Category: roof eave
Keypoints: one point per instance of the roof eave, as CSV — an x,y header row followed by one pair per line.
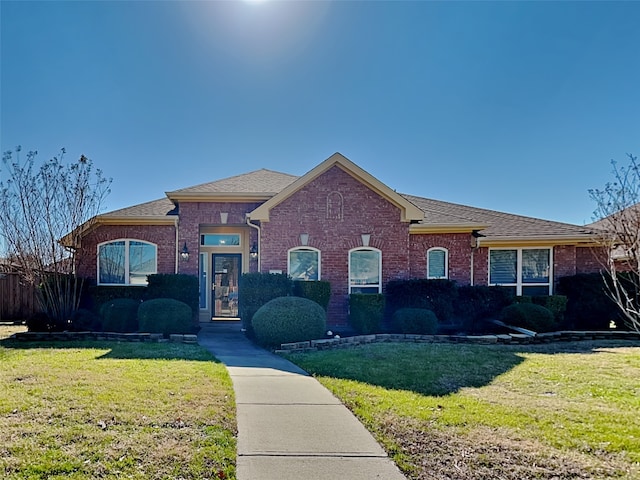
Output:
x,y
228,197
538,240
418,228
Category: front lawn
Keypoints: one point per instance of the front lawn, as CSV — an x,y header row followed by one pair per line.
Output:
x,y
442,411
114,410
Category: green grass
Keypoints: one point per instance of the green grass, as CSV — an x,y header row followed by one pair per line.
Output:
x,y
114,410
561,411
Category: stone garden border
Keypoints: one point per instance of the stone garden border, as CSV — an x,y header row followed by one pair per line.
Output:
x,y
502,339
102,336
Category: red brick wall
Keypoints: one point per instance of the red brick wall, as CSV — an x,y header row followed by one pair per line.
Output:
x,y
564,261
193,214
164,236
458,246
334,229
481,266
590,259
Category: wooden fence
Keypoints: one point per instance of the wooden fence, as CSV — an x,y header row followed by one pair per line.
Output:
x,y
17,301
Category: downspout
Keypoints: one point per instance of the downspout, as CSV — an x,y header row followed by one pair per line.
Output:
x,y
177,246
248,217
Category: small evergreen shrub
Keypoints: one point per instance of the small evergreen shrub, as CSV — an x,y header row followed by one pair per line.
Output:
x,y
289,319
318,291
588,306
40,322
439,296
165,315
84,320
478,303
530,316
177,286
415,320
256,289
365,312
98,295
120,315
556,303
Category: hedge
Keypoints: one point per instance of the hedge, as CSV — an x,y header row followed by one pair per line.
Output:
x,y
318,291
366,311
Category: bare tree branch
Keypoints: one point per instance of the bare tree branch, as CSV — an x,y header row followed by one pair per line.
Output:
x,y
40,205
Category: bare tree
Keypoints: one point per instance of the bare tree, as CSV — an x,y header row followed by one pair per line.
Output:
x,y
41,208
618,220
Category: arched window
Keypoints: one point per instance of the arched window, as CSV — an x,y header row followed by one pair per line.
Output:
x,y
304,263
437,263
126,262
365,270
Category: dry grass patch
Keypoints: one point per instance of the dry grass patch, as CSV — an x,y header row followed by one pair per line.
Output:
x,y
561,411
114,410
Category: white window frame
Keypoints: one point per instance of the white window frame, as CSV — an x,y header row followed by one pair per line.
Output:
x,y
519,284
304,249
446,262
127,273
355,286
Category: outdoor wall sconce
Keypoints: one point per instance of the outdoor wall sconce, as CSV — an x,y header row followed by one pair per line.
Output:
x,y
224,217
184,253
365,237
304,239
253,251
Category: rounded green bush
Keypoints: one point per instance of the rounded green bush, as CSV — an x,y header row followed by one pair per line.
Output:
x,y
120,315
415,320
289,319
85,320
530,316
165,315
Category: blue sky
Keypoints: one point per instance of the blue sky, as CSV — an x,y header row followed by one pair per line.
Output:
x,y
512,106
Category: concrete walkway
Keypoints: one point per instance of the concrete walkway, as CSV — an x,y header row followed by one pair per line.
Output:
x,y
290,426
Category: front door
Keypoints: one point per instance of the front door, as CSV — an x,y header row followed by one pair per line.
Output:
x,y
224,288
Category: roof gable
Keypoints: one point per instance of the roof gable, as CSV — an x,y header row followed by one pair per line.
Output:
x,y
409,212
257,185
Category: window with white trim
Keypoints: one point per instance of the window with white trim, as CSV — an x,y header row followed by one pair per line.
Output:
x,y
437,263
126,262
304,263
365,270
526,270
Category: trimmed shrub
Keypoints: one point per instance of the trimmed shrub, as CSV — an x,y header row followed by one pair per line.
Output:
x,y
476,304
588,306
120,315
530,316
181,287
415,320
365,312
289,319
318,291
40,322
439,296
256,289
165,315
84,320
556,303
98,295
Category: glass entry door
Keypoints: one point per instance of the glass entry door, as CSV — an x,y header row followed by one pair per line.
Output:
x,y
224,288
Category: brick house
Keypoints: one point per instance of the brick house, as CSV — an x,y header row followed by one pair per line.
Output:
x,y
337,223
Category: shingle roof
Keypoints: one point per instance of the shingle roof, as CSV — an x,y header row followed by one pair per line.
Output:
x,y
258,181
155,208
499,225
